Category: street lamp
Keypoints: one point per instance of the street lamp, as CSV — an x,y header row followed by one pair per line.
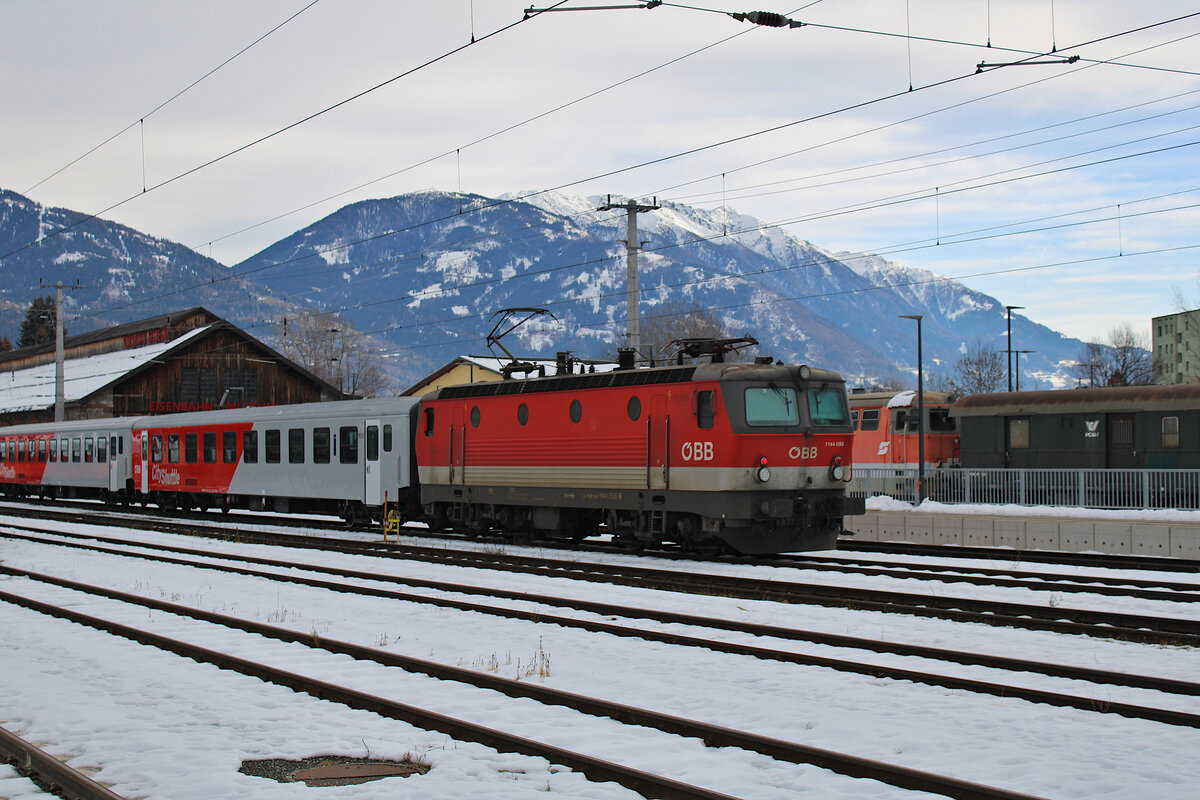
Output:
x,y
920,412
1008,313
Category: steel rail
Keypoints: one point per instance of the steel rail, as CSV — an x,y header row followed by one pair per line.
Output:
x,y
607,609
1132,627
1113,560
875,671
53,775
647,784
624,713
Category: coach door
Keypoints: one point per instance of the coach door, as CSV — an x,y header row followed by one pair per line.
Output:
x,y
1122,452
114,475
658,432
374,472
144,458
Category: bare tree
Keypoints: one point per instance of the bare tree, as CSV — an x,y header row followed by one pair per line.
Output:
x,y
326,345
675,320
1122,360
979,370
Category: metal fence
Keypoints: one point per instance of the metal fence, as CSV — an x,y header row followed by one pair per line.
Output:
x,y
1079,488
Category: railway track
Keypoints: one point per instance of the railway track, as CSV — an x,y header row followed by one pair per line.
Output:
x,y
647,784
49,773
610,611
1131,627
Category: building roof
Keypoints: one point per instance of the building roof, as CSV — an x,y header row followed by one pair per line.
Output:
x,y
1097,400
33,389
114,332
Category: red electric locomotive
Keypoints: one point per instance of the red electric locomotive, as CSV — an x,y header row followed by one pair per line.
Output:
x,y
753,457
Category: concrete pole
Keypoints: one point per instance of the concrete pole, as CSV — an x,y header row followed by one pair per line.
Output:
x,y
58,352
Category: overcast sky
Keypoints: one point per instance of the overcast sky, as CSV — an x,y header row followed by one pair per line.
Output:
x,y
1078,185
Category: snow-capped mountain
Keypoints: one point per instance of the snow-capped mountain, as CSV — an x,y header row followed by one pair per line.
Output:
x,y
424,273
427,270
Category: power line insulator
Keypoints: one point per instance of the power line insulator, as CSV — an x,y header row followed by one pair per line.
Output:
x,y
767,19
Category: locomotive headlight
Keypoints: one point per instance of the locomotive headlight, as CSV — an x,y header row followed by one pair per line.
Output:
x,y
763,473
837,471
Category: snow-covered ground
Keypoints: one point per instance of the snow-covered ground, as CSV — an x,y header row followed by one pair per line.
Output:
x,y
882,504
157,725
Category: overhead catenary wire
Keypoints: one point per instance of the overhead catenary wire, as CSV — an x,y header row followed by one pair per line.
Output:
x,y
273,134
141,121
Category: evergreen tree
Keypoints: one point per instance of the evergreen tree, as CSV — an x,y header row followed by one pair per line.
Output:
x,y
38,327
5,344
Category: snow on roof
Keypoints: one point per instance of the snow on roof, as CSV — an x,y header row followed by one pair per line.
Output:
x,y
32,389
902,399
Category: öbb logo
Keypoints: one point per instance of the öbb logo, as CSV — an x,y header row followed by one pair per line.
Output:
x,y
697,451
802,453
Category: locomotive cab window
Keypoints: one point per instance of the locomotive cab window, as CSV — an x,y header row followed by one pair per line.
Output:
x,y
854,418
827,407
704,410
772,406
940,420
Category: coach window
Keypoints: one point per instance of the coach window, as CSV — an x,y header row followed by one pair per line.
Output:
x,y
191,448
21,450
210,447
348,444
89,449
522,414
295,445
113,443
272,443
372,443
576,411
1018,433
634,408
229,447
156,449
704,410
387,438
101,449
64,450
1170,431
474,416
172,448
53,445
870,419
3,450
250,447
320,445
76,449
41,449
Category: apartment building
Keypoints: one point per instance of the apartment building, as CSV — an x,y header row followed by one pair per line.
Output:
x,y
1175,344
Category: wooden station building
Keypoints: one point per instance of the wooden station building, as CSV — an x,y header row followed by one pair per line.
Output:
x,y
187,360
